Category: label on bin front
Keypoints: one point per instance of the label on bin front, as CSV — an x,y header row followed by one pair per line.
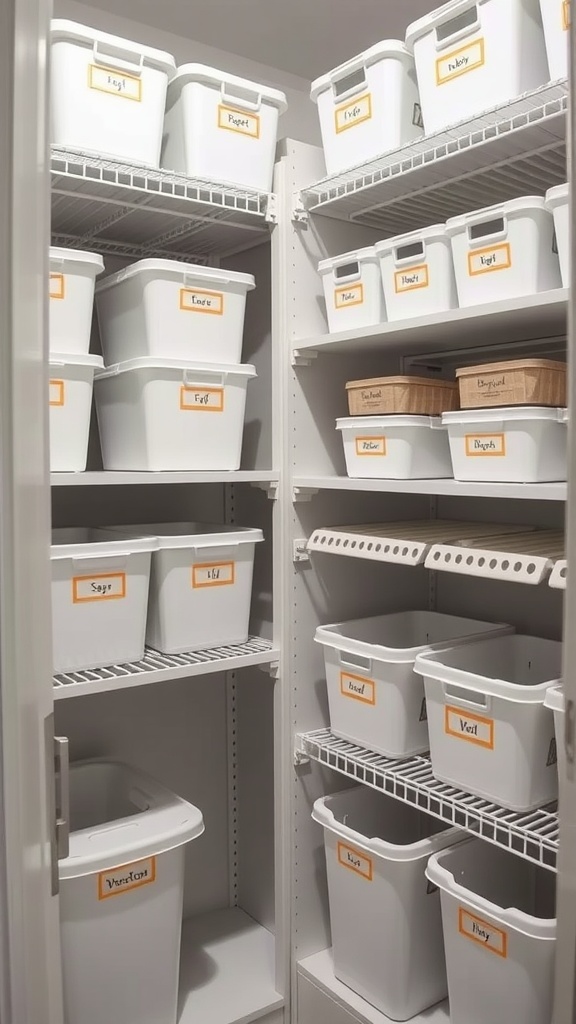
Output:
x,y
485,444
356,861
201,399
371,446
566,15
217,574
101,586
126,877
409,280
357,688
353,113
485,934
463,725
241,121
353,295
56,392
486,261
56,286
460,62
196,300
115,82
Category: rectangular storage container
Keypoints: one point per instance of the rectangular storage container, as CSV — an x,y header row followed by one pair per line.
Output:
x,y
168,414
504,251
395,447
99,596
556,702
472,55
558,204
385,918
417,273
375,697
70,399
401,396
499,934
72,277
556,21
352,290
107,94
515,444
514,382
221,127
121,891
490,733
169,310
368,106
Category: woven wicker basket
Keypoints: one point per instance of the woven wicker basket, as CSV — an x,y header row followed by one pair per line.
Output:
x,y
416,396
519,382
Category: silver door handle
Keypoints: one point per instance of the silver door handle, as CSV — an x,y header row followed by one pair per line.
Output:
x,y
62,787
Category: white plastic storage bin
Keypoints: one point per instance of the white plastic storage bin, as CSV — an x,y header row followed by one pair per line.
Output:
x,y
72,277
70,399
504,251
558,203
556,701
368,105
221,127
490,733
107,94
171,310
168,414
417,273
513,444
395,447
99,597
352,290
499,934
556,21
472,55
121,893
375,697
385,918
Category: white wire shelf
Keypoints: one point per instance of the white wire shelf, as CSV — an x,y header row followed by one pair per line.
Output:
x,y
559,575
101,478
532,835
524,558
511,150
305,487
156,667
120,209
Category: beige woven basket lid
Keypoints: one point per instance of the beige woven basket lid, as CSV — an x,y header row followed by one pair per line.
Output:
x,y
430,381
514,364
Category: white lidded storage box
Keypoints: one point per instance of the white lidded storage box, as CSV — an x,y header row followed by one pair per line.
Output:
x,y
504,251
417,273
556,701
167,309
121,893
472,55
368,106
490,733
99,597
70,398
107,94
558,204
168,414
221,127
72,277
513,444
352,290
375,697
385,918
499,934
395,447
556,21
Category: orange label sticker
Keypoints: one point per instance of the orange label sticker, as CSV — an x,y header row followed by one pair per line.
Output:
x,y
115,82
56,286
353,113
482,445
357,688
195,300
460,62
485,934
355,861
371,446
240,121
486,261
217,574
566,15
409,280
351,296
126,878
56,392
201,399
463,725
102,586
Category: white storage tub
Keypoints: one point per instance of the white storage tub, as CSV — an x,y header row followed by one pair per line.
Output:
x,y
221,127
499,934
513,444
121,893
556,701
472,55
352,290
490,733
70,399
72,277
385,918
395,447
504,251
558,204
368,105
171,310
99,597
375,697
417,273
107,94
556,21
168,414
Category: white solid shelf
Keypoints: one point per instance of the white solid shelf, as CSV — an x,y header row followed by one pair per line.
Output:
x,y
319,969
532,835
227,970
305,487
523,558
156,667
109,478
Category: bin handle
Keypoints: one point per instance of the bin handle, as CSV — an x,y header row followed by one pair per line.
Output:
x,y
476,700
409,257
192,378
354,271
494,228
351,72
193,281
131,63
458,27
230,100
355,661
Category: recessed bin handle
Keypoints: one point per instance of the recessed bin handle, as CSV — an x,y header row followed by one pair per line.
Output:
x,y
357,661
243,102
459,27
348,79
488,230
193,281
193,378
118,59
348,271
409,253
474,699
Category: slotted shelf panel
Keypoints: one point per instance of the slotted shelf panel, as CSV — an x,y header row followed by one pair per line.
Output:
x,y
559,575
524,558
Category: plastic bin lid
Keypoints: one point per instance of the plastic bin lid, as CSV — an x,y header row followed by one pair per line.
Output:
x,y
504,412
437,17
71,31
386,48
173,268
449,385
558,195
222,371
195,535
85,541
161,822
392,420
436,232
75,359
212,76
512,206
357,255
77,256
512,364
555,699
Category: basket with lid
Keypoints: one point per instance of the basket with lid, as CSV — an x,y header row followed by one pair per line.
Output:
x,y
412,396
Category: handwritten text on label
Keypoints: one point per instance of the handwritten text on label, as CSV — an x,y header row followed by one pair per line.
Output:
x,y
463,725
409,280
57,286
487,261
103,586
218,574
460,62
201,399
485,934
371,446
56,392
485,445
126,877
195,300
239,121
357,688
356,861
351,296
110,80
351,114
